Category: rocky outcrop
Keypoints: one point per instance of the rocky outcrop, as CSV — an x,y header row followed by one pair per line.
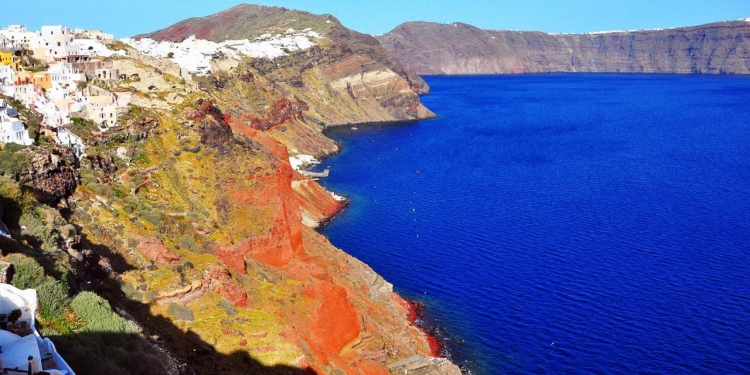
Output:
x,y
155,250
282,111
52,174
334,321
431,48
214,131
317,205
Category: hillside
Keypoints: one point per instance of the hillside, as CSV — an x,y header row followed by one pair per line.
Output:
x,y
188,218
431,48
249,21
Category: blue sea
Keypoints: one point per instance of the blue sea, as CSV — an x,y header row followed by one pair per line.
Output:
x,y
564,224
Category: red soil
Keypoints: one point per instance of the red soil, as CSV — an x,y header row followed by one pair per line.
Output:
x,y
284,241
334,322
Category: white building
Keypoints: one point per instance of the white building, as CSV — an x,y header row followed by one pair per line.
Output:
x,y
65,138
6,43
195,55
63,73
11,128
26,93
7,75
29,354
19,36
94,47
59,42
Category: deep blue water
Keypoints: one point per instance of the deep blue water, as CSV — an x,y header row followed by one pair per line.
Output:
x,y
565,224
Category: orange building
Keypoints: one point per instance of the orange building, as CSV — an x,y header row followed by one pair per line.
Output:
x,y
38,79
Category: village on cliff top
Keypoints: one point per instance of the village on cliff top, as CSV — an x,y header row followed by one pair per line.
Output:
x,y
72,75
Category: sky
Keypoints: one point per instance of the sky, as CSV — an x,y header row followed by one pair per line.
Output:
x,y
129,17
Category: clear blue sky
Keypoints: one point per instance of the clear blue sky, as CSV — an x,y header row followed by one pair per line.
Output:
x,y
129,17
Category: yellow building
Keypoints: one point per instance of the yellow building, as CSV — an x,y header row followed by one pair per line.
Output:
x,y
6,58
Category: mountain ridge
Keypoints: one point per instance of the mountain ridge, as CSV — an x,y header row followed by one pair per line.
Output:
x,y
459,48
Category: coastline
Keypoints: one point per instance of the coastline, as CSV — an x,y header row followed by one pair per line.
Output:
x,y
416,310
432,116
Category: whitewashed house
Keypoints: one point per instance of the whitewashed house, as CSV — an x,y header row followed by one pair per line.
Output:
x,y
6,43
53,116
26,93
19,36
57,92
63,73
11,128
7,75
30,354
94,47
65,138
59,42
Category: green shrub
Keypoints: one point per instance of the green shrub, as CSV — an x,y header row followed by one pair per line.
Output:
x,y
28,274
99,316
188,242
151,216
179,312
53,298
12,160
39,233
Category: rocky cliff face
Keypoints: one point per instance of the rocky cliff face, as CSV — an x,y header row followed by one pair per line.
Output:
x,y
210,226
430,48
346,79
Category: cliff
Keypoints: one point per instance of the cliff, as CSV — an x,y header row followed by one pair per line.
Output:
x,y
347,78
189,219
431,48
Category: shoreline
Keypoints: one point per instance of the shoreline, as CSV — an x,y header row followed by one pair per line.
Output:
x,y
416,316
416,309
384,122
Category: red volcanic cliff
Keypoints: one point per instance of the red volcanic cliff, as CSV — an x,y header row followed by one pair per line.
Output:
x,y
284,241
336,309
